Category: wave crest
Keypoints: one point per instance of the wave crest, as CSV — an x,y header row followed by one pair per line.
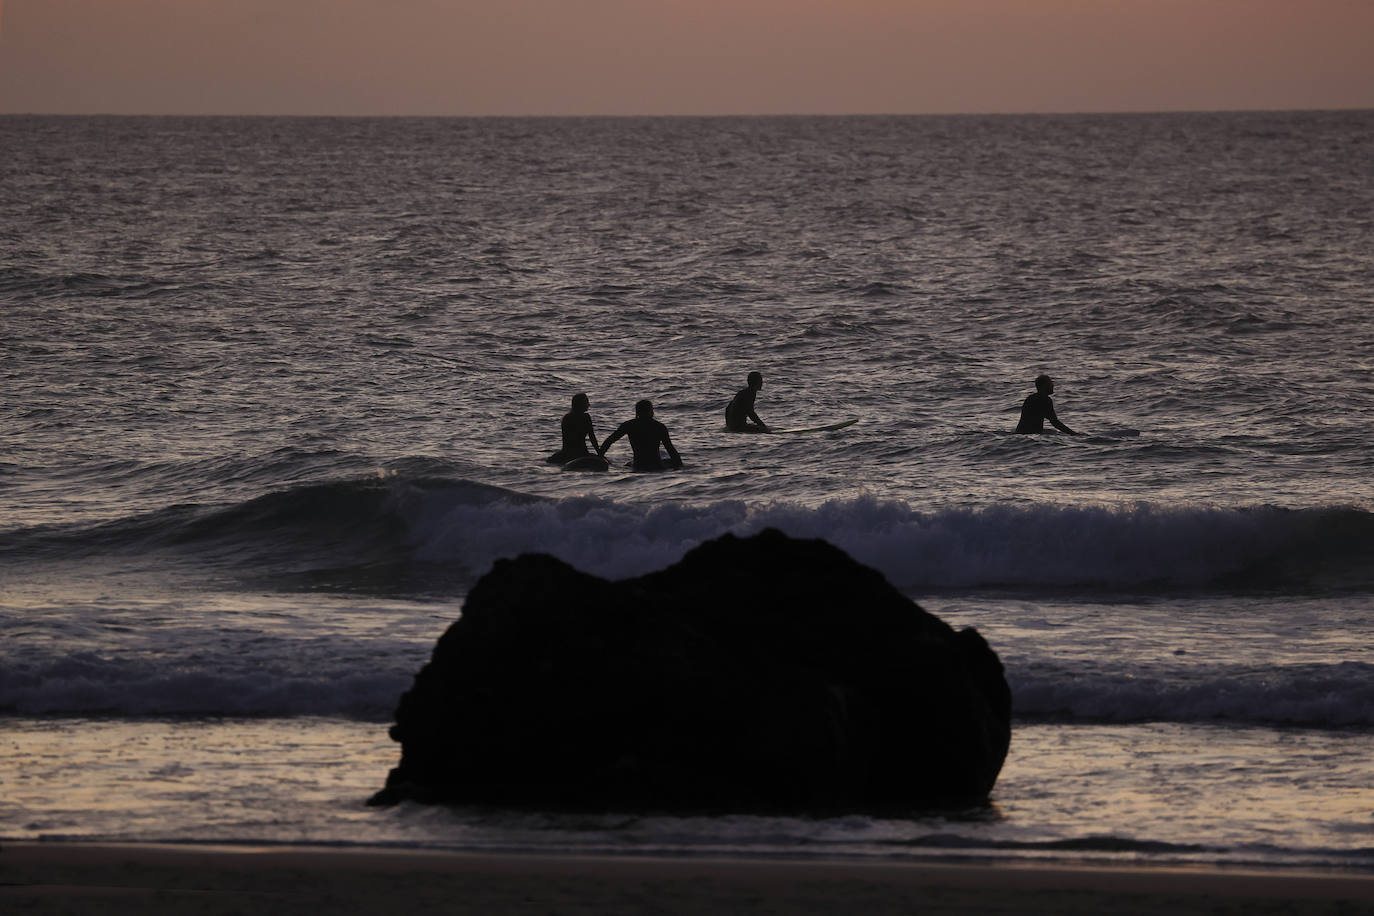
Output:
x,y
1140,546
444,527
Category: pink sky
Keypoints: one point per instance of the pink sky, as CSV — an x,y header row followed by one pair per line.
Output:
x,y
563,57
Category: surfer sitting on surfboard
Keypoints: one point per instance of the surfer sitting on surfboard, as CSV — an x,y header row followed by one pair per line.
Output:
x,y
645,435
739,415
1038,408
577,429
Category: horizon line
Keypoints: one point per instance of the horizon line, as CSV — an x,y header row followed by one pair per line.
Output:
x,y
698,116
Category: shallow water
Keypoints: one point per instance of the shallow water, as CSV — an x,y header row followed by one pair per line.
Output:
x,y
1190,793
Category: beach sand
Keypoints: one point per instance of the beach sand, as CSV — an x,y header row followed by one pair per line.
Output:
x,y
117,879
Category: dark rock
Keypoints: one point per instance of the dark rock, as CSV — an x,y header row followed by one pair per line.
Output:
x,y
756,674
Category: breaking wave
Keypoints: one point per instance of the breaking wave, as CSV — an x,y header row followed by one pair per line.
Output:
x,y
447,530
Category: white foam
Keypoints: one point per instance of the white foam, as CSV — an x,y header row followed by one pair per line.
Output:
x,y
1034,545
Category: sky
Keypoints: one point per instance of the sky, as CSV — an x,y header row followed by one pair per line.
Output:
x,y
703,57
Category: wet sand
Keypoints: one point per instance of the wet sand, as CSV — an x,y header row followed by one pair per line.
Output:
x,y
118,879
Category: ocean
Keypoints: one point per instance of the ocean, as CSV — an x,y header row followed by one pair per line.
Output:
x,y
277,391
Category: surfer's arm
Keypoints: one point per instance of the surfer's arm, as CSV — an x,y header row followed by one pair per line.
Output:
x,y
672,452
602,449
755,417
1055,422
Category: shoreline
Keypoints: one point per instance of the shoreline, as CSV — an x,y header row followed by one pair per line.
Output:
x,y
64,877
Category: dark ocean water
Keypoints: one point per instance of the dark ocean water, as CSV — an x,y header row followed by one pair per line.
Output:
x,y
278,390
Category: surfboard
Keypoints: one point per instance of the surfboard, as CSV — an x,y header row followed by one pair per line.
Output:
x,y
630,466
829,427
587,463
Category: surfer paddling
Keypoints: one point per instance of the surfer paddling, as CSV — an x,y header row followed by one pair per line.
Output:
x,y
645,434
1038,408
739,415
577,431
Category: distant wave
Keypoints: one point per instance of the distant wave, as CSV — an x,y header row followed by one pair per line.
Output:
x,y
442,528
246,683
363,681
1338,695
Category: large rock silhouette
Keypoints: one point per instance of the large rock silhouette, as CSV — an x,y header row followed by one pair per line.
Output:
x,y
757,674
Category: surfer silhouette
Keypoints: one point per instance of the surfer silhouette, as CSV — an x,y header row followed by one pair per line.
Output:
x,y
577,430
645,435
739,415
1038,408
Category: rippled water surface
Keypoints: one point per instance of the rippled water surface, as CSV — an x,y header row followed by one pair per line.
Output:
x,y
278,390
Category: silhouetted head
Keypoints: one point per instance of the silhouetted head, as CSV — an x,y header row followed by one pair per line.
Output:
x,y
755,380
1044,384
644,409
581,402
